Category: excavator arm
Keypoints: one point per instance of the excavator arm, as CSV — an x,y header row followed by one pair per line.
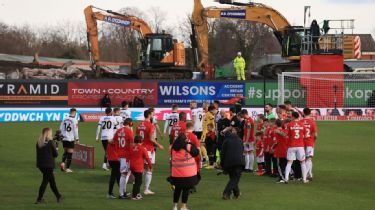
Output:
x,y
110,17
251,12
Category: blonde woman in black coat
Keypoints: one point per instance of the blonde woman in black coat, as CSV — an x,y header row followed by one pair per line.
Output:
x,y
46,153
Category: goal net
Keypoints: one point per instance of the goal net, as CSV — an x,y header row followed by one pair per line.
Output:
x,y
343,90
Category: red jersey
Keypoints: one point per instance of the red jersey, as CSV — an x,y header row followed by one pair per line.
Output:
x,y
248,130
265,140
138,154
124,138
296,134
271,139
281,147
112,151
146,129
259,149
177,128
195,141
310,130
260,127
211,136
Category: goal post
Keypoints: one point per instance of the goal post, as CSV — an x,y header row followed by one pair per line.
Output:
x,y
343,90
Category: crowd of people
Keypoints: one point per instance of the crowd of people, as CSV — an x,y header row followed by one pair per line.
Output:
x,y
280,144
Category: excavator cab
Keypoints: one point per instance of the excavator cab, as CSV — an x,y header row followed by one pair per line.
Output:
x,y
291,42
157,50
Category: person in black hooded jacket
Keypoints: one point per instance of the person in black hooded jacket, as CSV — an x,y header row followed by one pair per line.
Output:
x,y
46,153
232,161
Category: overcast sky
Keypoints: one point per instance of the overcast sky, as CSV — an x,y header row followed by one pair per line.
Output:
x,y
46,12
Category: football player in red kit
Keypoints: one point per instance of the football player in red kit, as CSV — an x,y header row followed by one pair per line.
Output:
x,y
311,134
248,141
146,130
259,152
179,127
280,149
296,133
124,139
138,155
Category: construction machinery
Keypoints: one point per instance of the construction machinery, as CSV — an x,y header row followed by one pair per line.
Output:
x,y
161,56
291,38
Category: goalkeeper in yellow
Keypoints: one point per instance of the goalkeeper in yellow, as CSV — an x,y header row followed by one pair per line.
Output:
x,y
208,119
239,65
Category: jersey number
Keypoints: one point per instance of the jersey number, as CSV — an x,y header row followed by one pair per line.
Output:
x,y
200,117
106,125
307,132
296,134
67,127
172,122
122,141
142,134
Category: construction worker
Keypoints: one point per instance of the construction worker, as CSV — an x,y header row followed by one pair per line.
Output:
x,y
239,65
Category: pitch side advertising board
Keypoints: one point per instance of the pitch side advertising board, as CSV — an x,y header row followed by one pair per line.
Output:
x,y
91,93
182,93
33,93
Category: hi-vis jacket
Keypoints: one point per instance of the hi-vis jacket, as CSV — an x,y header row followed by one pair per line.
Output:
x,y
239,62
183,164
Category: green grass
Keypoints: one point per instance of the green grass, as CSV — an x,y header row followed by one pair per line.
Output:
x,y
343,168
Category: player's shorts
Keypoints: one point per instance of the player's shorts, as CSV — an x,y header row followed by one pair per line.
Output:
x,y
68,144
151,155
260,159
124,165
309,151
198,134
248,147
296,153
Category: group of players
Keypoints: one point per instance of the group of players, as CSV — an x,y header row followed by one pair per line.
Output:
x,y
279,143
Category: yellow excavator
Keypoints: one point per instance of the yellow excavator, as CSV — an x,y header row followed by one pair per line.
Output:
x,y
290,37
161,56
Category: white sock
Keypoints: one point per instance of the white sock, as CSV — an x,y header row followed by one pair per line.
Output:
x,y
251,161
287,170
122,184
304,171
247,160
309,167
148,178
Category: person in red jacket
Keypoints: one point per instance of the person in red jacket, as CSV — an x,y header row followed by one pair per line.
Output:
x,y
124,139
138,154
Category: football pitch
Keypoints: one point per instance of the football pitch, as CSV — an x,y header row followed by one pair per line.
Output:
x,y
344,176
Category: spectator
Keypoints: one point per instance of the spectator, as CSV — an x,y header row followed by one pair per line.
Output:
x,y
315,113
106,101
333,112
315,33
138,102
370,112
371,100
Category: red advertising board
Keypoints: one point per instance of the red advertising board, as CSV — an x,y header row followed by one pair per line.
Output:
x,y
83,156
91,93
92,116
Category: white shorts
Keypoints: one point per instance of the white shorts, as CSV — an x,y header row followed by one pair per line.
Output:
x,y
248,147
296,153
309,151
151,155
260,159
124,165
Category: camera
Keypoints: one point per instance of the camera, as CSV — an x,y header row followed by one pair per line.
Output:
x,y
58,137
